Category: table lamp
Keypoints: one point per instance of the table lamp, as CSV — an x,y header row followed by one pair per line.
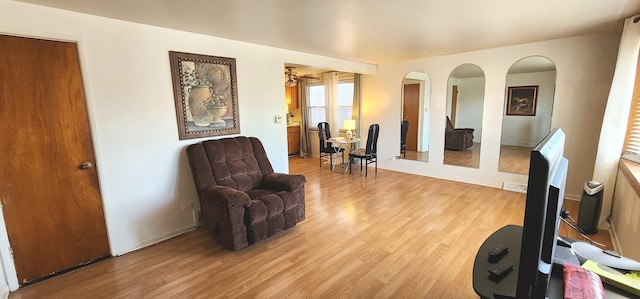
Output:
x,y
349,124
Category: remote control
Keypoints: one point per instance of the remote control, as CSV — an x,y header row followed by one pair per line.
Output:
x,y
498,251
501,269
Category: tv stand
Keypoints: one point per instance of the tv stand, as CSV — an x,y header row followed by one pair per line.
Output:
x,y
511,235
485,287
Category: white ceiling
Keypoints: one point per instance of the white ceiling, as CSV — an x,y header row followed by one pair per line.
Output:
x,y
375,31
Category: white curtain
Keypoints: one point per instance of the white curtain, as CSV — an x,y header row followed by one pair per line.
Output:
x,y
331,98
616,115
357,102
305,144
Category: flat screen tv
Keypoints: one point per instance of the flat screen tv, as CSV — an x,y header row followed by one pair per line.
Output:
x,y
545,196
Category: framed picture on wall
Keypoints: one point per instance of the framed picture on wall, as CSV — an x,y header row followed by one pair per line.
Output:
x,y
522,100
205,94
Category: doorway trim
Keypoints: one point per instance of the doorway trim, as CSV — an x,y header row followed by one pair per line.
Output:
x,y
5,255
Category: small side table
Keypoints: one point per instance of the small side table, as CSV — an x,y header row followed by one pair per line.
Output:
x,y
346,144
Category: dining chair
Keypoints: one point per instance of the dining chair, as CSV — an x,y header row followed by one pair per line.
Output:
x,y
326,147
370,153
404,128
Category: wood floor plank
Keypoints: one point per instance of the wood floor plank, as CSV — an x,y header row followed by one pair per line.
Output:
x,y
390,235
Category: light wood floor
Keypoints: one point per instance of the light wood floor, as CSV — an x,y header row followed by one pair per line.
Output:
x,y
390,235
466,158
416,156
514,159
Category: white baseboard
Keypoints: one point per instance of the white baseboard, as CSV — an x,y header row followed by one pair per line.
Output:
x,y
160,238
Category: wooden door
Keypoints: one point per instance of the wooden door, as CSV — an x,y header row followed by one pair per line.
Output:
x,y
454,104
52,205
410,112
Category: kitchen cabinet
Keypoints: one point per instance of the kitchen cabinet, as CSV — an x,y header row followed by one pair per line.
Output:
x,y
293,140
291,96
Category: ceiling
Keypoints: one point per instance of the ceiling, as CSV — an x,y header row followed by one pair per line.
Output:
x,y
370,31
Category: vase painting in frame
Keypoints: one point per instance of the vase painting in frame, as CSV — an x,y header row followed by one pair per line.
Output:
x,y
206,95
522,100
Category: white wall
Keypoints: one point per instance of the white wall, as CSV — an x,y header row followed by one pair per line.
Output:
x,y
143,171
529,130
470,104
584,67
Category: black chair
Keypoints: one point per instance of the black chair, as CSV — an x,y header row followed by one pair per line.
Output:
x,y
404,128
327,148
369,153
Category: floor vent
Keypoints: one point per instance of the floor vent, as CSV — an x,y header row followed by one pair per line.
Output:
x,y
515,187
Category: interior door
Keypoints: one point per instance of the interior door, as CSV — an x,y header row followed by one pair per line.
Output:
x,y
410,112
454,104
48,184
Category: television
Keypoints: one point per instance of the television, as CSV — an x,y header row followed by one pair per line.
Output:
x,y
544,199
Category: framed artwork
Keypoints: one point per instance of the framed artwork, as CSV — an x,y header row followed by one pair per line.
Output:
x,y
206,95
522,100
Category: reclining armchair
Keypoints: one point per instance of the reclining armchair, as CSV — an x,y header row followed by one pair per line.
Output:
x,y
457,139
242,200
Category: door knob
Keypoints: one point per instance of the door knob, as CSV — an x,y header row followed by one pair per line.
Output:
x,y
86,165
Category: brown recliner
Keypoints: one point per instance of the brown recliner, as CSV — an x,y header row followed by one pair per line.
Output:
x,y
457,139
242,200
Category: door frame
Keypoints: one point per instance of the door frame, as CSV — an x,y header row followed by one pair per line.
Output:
x,y
6,256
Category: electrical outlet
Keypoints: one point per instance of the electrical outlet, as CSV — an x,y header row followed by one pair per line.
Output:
x,y
187,206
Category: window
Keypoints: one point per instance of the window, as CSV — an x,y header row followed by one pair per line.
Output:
x,y
318,107
631,149
345,102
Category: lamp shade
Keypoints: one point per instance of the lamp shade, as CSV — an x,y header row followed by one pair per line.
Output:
x,y
349,124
